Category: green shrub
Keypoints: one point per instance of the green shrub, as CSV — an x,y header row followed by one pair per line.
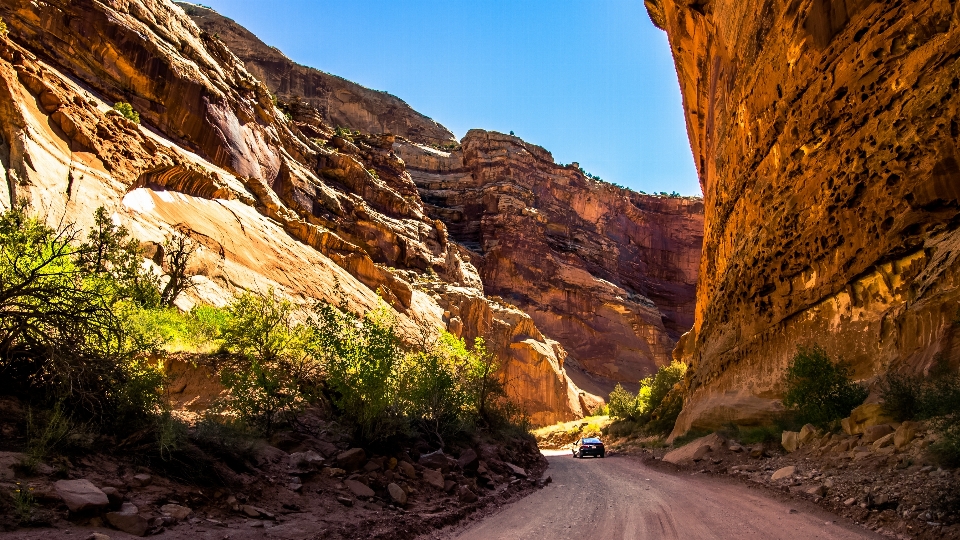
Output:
x,y
126,110
901,395
654,389
360,355
271,365
3,29
622,404
818,390
448,388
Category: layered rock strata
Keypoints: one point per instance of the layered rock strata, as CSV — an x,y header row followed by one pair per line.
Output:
x,y
826,136
312,216
607,272
341,103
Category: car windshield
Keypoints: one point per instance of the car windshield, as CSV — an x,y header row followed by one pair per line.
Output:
x,y
591,441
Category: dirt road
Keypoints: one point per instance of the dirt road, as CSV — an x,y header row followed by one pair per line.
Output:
x,y
620,498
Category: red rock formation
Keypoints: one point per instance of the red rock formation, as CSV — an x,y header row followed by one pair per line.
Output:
x,y
339,102
311,216
826,136
607,272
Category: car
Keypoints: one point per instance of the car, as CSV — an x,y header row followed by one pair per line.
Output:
x,y
588,446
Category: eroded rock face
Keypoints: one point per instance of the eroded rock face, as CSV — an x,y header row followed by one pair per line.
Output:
x,y
312,216
608,273
340,103
825,134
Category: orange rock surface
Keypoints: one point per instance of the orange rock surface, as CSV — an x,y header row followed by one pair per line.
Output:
x,y
607,272
825,134
309,215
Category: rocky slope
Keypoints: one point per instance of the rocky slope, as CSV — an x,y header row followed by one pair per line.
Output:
x,y
274,202
607,272
825,135
341,103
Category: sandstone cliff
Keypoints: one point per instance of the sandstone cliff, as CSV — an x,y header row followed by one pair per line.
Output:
x,y
825,134
607,272
341,103
274,201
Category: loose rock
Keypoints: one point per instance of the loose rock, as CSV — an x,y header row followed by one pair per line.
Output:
x,y
81,495
397,493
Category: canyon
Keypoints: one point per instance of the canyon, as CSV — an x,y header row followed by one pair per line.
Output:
x,y
825,136
299,181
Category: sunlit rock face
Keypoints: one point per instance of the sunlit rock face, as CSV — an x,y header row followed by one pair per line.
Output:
x,y
341,103
311,216
825,134
607,272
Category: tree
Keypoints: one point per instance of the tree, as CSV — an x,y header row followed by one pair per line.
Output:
x,y
819,390
177,252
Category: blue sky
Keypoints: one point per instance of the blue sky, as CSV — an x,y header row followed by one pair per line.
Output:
x,y
590,81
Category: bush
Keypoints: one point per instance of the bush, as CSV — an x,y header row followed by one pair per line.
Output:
x,y
271,366
819,390
360,355
126,110
935,398
622,404
656,405
3,29
448,388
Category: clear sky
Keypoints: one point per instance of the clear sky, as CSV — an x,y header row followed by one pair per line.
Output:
x,y
591,81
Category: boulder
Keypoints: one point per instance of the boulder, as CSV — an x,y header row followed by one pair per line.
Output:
x,y
466,495
407,469
886,440
904,434
358,488
142,480
305,461
785,472
863,417
689,452
116,499
468,460
9,460
807,434
176,511
81,495
790,440
397,494
872,434
517,471
128,520
352,459
435,460
434,478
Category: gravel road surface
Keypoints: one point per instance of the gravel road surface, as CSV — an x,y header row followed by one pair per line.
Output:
x,y
619,497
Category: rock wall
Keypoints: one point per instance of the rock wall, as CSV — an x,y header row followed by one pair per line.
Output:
x,y
341,103
271,206
607,272
825,135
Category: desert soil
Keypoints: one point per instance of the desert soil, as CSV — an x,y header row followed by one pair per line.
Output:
x,y
619,497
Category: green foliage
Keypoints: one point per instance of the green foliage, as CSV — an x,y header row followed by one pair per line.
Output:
x,y
271,365
111,256
655,407
819,390
360,355
345,133
23,503
126,110
622,404
689,436
46,431
170,330
178,250
3,29
447,387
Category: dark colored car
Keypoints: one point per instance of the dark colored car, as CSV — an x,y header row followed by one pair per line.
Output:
x,y
588,446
